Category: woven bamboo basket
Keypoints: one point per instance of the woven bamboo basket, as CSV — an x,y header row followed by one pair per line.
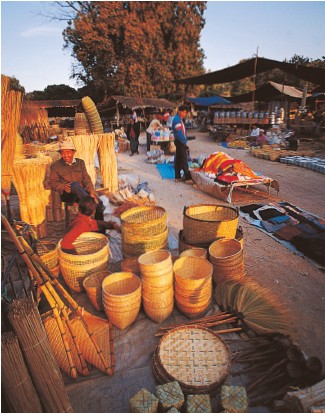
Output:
x,y
131,265
205,223
93,287
143,245
192,272
93,253
48,252
195,252
155,262
81,124
122,298
234,399
158,314
93,117
143,221
170,396
227,258
158,283
183,245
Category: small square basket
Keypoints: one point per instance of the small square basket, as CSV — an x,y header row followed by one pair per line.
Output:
x,y
143,402
170,395
198,403
234,399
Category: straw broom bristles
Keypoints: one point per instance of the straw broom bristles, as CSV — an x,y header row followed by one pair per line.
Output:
x,y
19,150
11,101
16,382
86,149
26,321
107,161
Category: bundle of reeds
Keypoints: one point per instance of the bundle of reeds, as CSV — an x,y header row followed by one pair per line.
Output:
x,y
19,150
27,324
107,161
17,384
28,178
302,400
86,147
11,101
257,306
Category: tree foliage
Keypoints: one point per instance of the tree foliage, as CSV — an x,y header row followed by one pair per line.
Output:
x,y
134,47
54,92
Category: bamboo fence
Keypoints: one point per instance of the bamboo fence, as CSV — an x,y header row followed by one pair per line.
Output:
x,y
107,161
17,384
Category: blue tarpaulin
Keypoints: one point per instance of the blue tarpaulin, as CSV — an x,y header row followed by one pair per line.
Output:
x,y
209,101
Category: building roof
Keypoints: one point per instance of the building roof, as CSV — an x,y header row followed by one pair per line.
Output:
x,y
133,103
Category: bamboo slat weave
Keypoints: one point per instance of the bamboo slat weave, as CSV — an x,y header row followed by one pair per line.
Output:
x,y
194,356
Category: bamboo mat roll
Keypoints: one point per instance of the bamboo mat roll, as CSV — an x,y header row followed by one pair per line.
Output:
x,y
27,324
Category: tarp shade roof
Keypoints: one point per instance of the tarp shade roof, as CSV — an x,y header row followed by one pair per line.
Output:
x,y
132,103
209,101
246,69
270,91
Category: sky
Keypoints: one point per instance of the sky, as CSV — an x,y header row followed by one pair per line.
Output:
x,y
32,45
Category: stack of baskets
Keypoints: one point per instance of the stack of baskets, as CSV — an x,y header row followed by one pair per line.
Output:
x,y
157,284
193,285
93,253
121,298
227,258
93,287
81,124
195,252
144,229
48,252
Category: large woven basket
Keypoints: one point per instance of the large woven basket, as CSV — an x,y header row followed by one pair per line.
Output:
x,y
195,252
194,356
227,258
121,298
93,286
130,265
202,224
143,221
93,254
48,252
143,245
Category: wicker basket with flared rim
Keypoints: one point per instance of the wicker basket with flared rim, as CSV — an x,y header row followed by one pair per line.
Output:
x,y
194,356
131,265
93,287
48,252
159,299
227,258
101,330
194,295
158,314
56,342
155,243
195,252
152,261
202,224
192,272
93,254
183,245
123,319
144,221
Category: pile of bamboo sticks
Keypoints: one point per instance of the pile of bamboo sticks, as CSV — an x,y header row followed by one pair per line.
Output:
x,y
77,336
302,400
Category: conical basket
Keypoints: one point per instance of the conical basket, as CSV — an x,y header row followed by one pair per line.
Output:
x,y
121,298
93,286
192,272
227,258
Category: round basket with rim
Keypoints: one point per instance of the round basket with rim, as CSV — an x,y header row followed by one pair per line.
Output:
x,y
143,245
93,254
48,252
192,272
155,263
144,221
130,265
195,252
204,223
194,356
93,286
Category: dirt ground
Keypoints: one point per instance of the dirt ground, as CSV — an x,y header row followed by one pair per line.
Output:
x,y
297,282
299,285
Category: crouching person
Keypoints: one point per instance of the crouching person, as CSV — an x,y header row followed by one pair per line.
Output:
x,y
84,222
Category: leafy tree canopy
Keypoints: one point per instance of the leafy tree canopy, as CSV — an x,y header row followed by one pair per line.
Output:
x,y
54,92
134,47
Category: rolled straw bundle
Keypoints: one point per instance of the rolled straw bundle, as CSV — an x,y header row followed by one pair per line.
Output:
x,y
107,161
27,324
93,117
17,385
11,101
86,146
28,178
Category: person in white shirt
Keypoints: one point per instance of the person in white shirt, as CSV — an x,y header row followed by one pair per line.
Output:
x,y
154,125
255,130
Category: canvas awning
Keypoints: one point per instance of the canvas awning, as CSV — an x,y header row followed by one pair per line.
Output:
x,y
209,101
247,69
270,91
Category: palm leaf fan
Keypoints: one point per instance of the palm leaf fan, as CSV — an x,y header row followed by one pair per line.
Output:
x,y
260,309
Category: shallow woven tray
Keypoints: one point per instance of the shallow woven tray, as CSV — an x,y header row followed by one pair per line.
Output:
x,y
194,356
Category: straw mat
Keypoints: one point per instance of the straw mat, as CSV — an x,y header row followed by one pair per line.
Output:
x,y
194,356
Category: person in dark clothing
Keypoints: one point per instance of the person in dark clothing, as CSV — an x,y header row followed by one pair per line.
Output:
x,y
70,178
180,137
133,133
84,222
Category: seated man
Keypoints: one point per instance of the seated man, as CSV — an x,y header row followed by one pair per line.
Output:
x,y
84,222
70,178
254,133
261,140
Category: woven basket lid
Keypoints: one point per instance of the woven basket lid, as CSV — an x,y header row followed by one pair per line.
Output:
x,y
194,356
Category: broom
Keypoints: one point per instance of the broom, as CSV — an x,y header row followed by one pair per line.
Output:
x,y
16,381
11,101
107,161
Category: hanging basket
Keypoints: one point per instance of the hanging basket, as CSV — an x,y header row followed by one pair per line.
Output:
x,y
203,224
